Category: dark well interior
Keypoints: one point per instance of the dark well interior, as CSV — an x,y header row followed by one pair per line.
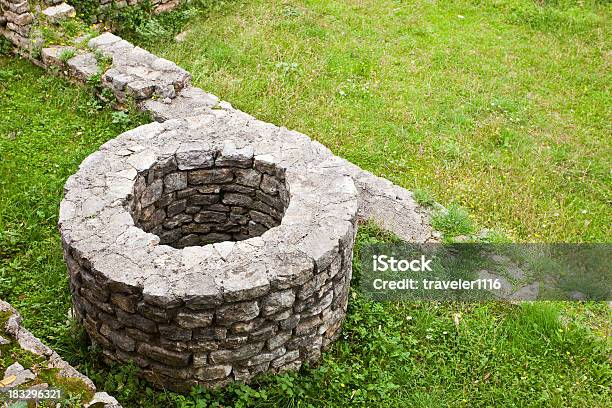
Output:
x,y
230,200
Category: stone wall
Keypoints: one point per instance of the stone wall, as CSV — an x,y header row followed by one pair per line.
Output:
x,y
16,20
18,16
179,344
230,200
271,291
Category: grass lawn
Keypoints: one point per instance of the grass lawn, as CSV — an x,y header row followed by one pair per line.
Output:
x,y
419,354
47,127
505,111
500,106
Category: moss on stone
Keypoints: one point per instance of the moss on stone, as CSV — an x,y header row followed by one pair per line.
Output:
x,y
72,388
4,316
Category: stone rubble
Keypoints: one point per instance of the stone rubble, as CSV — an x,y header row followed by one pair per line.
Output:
x,y
22,375
17,17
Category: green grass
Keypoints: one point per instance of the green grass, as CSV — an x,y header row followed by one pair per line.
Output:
x,y
48,127
423,197
452,222
502,107
503,111
391,354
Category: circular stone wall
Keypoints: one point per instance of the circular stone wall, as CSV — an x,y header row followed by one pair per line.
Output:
x,y
209,250
224,200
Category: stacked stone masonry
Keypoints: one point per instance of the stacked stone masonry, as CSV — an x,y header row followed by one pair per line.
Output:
x,y
17,16
16,20
227,199
264,293
137,73
209,246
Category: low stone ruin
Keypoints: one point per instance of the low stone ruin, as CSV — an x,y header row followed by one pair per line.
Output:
x,y
49,369
18,17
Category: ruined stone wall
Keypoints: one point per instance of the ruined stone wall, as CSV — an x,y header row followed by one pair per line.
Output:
x,y
231,200
18,16
49,371
16,19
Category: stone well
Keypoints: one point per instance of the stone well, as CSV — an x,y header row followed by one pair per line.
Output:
x,y
210,249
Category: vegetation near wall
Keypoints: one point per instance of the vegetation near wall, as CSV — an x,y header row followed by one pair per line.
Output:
x,y
498,107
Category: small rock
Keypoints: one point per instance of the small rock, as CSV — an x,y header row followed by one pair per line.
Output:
x,y
180,37
528,293
60,12
22,375
194,156
53,55
515,272
102,400
83,66
483,233
505,287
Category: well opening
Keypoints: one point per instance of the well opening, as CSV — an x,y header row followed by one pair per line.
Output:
x,y
219,200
